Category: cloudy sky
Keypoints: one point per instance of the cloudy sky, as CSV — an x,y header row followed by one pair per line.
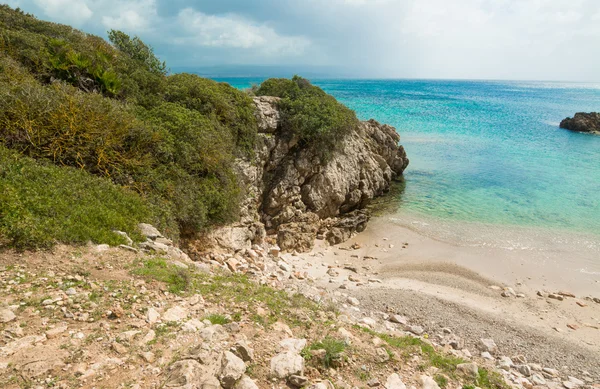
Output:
x,y
473,39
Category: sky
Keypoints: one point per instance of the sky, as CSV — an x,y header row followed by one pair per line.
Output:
x,y
448,39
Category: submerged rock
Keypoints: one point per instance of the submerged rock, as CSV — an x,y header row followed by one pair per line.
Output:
x,y
583,122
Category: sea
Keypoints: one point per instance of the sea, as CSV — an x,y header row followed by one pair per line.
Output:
x,y
489,165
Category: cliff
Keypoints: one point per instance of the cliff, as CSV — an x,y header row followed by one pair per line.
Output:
x,y
583,122
295,195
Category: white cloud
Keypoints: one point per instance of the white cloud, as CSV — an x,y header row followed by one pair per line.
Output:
x,y
131,16
74,12
232,31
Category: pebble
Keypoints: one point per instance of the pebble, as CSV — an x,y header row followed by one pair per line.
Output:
x,y
353,301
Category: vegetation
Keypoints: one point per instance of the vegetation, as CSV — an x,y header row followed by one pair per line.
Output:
x,y
333,351
41,204
112,111
408,345
311,114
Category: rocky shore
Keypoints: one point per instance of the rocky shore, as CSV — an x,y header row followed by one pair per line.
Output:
x,y
131,317
583,122
296,195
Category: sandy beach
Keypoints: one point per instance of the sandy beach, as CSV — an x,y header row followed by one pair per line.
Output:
x,y
393,269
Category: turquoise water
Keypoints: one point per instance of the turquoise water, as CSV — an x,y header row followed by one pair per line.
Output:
x,y
487,153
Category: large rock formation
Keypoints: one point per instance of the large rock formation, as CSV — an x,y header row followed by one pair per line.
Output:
x,y
583,122
297,196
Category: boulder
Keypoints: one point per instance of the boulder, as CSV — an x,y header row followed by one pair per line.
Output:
x,y
246,383
583,122
488,345
6,315
232,369
394,382
286,364
184,374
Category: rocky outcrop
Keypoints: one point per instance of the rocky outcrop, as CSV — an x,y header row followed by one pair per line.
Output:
x,y
296,195
583,122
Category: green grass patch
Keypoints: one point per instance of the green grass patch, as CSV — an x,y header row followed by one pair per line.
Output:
x,y
217,319
334,349
177,279
233,289
408,345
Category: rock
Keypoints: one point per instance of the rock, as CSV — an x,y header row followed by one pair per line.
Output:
x,y
6,315
321,385
353,301
549,372
488,345
152,315
246,383
537,379
468,369
487,355
382,355
286,364
399,319
292,345
232,369
572,326
525,370
505,363
71,292
394,382
556,297
175,314
297,381
369,321
184,374
428,382
147,356
373,383
149,231
583,122
333,273
119,348
55,332
242,350
576,381
285,266
274,251
417,330
214,333
267,114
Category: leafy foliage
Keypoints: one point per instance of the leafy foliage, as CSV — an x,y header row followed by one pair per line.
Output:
x,y
41,204
317,118
333,350
137,50
75,100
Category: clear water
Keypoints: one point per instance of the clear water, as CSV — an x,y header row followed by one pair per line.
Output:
x,y
487,155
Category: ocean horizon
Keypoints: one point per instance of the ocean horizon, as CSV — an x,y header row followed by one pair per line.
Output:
x,y
489,164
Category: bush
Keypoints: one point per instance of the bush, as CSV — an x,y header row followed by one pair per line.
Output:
x,y
42,204
318,119
75,100
228,106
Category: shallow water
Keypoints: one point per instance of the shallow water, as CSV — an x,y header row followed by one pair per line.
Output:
x,y
489,165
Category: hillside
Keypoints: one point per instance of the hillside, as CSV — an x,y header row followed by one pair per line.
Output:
x,y
113,111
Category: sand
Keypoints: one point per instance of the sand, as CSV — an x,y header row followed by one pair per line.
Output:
x,y
438,284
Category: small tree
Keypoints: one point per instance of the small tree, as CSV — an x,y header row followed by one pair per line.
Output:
x,y
137,50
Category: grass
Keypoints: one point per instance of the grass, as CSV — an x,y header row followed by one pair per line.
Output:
x,y
408,345
177,279
334,349
217,319
233,289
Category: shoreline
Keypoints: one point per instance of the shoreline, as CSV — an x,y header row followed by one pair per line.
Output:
x,y
390,268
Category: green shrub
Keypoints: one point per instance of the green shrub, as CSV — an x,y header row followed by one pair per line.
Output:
x,y
230,107
217,319
74,99
315,117
42,204
137,50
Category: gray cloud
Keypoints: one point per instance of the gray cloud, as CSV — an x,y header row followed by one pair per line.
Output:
x,y
506,39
